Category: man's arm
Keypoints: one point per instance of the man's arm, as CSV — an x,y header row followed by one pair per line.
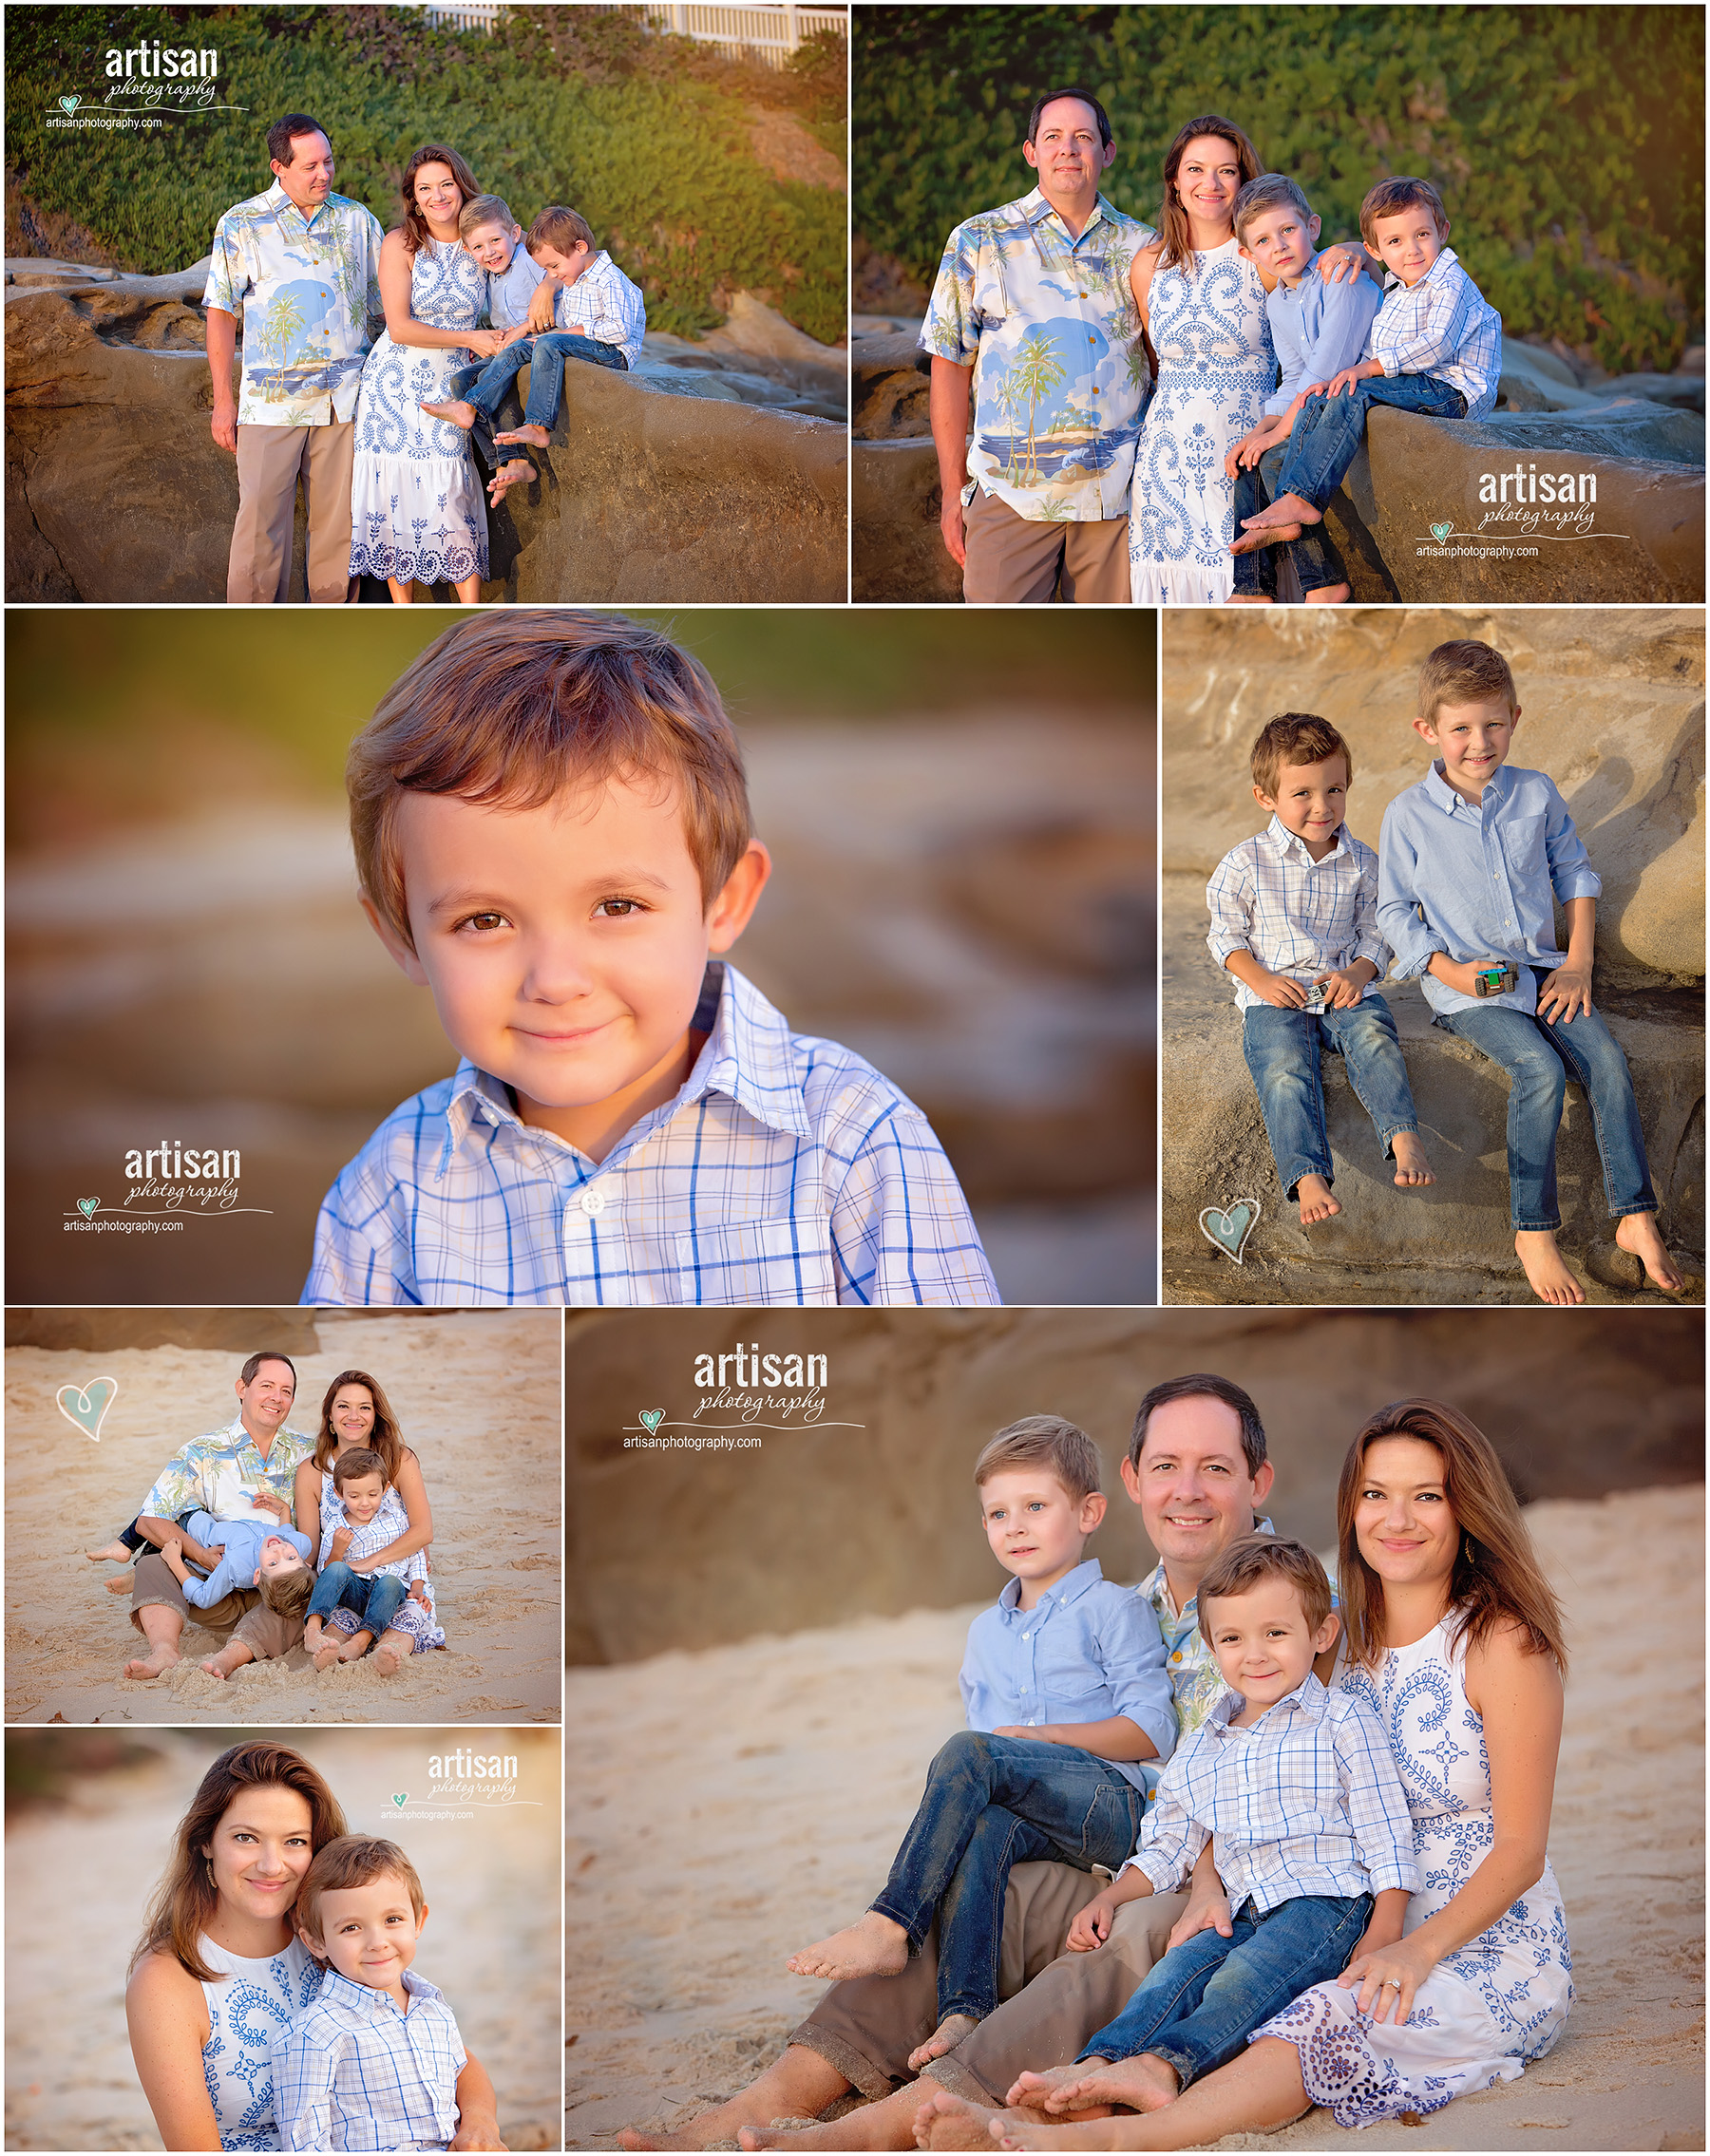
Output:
x,y
161,1532
948,402
222,349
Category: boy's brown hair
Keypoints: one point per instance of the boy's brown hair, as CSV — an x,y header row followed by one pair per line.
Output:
x,y
353,1860
1391,196
1268,192
1295,737
560,228
508,709
288,1593
1464,671
1254,1558
485,209
1045,1440
358,1461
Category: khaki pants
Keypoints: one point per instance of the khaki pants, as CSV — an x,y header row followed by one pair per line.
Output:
x,y
269,460
241,1614
1053,2001
1016,561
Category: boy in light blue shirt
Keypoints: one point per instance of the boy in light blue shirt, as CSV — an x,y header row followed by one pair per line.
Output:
x,y
1318,329
1069,1712
1471,863
255,1551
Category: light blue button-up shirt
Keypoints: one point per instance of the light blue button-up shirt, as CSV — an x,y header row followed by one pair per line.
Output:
x,y
1318,329
1484,877
1086,1651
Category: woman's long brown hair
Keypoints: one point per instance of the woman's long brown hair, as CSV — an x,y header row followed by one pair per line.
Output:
x,y
184,1901
1497,1578
384,1438
1178,238
415,224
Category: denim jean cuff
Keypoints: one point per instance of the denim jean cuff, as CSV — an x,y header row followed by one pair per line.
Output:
x,y
1535,1228
1186,2064
1296,1169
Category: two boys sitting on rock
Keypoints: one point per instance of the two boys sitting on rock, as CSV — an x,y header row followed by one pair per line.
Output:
x,y
558,277
1432,345
1471,861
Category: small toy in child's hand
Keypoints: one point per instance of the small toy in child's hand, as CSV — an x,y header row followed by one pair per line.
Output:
x,y
1496,976
1315,997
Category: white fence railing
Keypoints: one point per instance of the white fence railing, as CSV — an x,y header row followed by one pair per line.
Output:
x,y
771,33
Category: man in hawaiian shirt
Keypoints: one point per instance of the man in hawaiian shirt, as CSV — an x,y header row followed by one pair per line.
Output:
x,y
1034,298
304,265
255,1458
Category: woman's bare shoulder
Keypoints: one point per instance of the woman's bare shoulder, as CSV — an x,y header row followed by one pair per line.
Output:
x,y
161,1984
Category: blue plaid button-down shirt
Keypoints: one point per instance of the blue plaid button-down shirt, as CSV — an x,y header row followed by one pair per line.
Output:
x,y
1445,327
1306,1801
786,1171
1295,915
351,2072
604,305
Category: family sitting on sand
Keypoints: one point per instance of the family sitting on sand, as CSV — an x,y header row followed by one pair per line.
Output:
x,y
220,1548
1322,1817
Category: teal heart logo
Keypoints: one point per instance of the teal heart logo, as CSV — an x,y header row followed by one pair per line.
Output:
x,y
1227,1228
400,1797
69,104
87,1404
1440,532
87,1206
652,1418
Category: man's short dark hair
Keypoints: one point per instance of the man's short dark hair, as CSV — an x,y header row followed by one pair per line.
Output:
x,y
1202,1385
267,1355
1082,97
284,132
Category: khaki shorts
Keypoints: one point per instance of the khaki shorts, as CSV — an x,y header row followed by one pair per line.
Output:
x,y
241,1615
1017,561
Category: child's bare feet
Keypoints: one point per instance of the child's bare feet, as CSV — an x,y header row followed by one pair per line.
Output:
x,y
1546,1267
1329,594
1249,598
355,1647
123,1584
109,1553
1412,1168
325,1655
945,2037
944,2120
1144,2084
1286,510
145,1667
537,436
1637,1233
388,1655
873,1947
1272,534
1317,1203
455,410
515,473
1040,2092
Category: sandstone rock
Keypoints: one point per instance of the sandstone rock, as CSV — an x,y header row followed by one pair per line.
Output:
x,y
1685,391
102,1332
1534,379
890,380
898,549
1613,711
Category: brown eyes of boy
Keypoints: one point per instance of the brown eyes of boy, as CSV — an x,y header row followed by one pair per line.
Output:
x,y
484,922
617,909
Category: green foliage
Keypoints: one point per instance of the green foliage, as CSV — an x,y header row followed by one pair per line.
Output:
x,y
1567,141
642,134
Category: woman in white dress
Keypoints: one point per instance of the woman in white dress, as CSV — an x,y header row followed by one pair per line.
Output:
x,y
1455,1638
418,515
219,1972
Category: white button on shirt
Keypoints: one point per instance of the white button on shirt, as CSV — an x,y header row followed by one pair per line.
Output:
x,y
592,1204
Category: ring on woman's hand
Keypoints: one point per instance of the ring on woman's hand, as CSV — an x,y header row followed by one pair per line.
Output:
x,y
1388,1982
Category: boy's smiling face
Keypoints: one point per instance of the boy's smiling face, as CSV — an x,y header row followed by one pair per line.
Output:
x,y
363,1496
565,944
1262,1642
277,1558
1473,741
1310,801
566,267
1037,1530
1281,241
1409,242
369,1933
493,245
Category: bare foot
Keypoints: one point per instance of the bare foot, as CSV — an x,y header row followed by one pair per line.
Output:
x,y
537,436
1247,598
873,1947
146,1667
1286,510
945,2037
1636,1233
1412,1168
1094,2134
123,1586
1039,2092
325,1655
388,1662
1317,1203
1143,2084
109,1553
456,411
516,473
216,1668
1546,1267
1271,534
944,2120
1329,594
352,1651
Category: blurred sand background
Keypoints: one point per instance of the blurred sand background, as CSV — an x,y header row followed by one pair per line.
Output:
x,y
476,1394
961,818
782,1630
89,1820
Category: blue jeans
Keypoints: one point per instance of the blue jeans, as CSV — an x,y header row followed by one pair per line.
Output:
x,y
1328,432
1316,560
991,1803
1283,1050
1540,1055
1197,2008
376,1601
544,357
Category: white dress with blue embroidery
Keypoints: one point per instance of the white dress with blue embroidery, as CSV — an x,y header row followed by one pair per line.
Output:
x,y
1494,2004
246,2011
417,510
1216,367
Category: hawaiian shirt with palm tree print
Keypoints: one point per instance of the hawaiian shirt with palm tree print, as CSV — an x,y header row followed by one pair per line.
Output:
x,y
1049,324
309,290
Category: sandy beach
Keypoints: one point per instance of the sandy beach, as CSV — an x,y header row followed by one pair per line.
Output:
x,y
491,1942
725,1807
477,1396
